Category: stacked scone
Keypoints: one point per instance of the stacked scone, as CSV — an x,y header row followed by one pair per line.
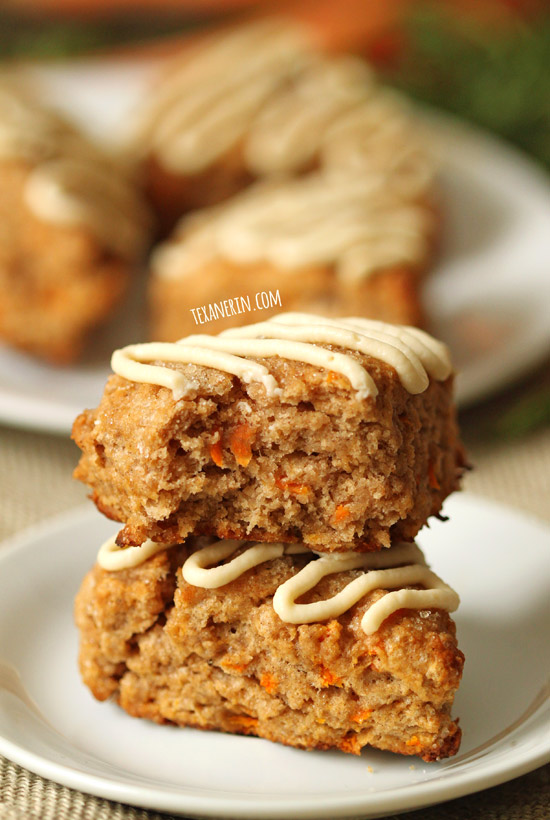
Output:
x,y
315,450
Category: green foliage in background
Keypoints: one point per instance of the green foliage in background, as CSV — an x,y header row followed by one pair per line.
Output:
x,y
30,36
497,76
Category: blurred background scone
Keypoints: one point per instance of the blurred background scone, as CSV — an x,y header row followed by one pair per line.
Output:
x,y
330,242
338,211
72,225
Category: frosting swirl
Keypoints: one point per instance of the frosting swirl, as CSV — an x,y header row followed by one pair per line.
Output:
x,y
393,570
297,337
70,180
349,221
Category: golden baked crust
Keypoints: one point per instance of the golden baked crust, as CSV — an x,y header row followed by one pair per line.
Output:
x,y
313,464
393,295
222,659
56,282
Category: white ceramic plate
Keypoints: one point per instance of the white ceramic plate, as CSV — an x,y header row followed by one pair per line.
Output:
x,y
498,560
489,296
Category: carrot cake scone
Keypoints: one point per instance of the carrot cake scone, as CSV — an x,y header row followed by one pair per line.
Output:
x,y
261,100
72,225
210,636
337,433
331,243
339,211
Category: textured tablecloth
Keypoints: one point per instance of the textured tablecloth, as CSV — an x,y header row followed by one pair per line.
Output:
x,y
35,482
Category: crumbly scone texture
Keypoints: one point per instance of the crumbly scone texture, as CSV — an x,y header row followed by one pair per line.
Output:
x,y
222,659
314,464
392,295
56,282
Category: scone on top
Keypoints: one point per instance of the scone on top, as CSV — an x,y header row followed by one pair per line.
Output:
x,y
340,434
261,100
210,636
72,226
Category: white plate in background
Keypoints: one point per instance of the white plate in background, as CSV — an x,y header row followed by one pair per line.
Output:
x,y
488,296
498,560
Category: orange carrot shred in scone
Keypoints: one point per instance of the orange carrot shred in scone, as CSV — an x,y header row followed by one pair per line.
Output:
x,y
341,513
240,444
216,450
292,487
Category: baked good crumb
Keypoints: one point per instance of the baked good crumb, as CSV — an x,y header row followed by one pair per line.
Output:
x,y
223,659
308,461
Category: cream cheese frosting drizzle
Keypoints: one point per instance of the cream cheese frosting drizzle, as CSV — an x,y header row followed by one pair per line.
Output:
x,y
263,86
347,220
296,337
208,101
199,572
288,132
70,180
401,566
436,595
113,558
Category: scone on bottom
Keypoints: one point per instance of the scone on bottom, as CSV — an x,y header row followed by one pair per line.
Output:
x,y
219,656
338,433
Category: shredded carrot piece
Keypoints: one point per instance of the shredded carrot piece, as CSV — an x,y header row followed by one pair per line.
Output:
x,y
240,443
216,450
341,513
269,682
350,745
432,478
413,741
336,378
362,716
293,487
244,720
329,679
234,667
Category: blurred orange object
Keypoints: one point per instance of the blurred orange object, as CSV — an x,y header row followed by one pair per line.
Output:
x,y
372,27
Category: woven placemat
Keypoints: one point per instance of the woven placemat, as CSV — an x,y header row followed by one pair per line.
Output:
x,y
35,482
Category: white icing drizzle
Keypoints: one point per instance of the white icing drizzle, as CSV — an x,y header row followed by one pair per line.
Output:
x,y
433,354
288,132
70,181
437,595
261,90
296,337
347,220
113,558
263,84
382,136
208,100
128,362
199,572
401,566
